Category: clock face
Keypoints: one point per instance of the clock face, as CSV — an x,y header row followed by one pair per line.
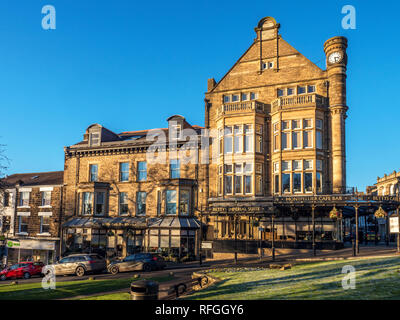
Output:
x,y
335,57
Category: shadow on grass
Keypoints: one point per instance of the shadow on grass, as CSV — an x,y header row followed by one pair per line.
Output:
x,y
328,290
64,290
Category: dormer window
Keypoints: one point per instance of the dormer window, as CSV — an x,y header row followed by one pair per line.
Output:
x,y
177,132
94,139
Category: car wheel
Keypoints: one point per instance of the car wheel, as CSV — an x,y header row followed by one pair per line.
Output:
x,y
146,267
27,275
114,270
3,277
80,271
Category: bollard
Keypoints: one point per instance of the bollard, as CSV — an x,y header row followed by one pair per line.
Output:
x,y
144,290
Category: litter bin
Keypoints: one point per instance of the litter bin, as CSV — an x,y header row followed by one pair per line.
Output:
x,y
144,290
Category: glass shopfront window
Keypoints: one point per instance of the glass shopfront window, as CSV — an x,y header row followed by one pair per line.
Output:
x,y
285,183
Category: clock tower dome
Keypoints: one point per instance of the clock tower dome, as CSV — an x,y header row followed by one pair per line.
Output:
x,y
336,62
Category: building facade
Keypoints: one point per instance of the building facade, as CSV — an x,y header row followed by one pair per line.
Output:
x,y
134,191
31,210
281,133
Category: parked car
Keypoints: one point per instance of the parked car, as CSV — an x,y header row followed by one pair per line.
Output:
x,y
22,270
80,264
139,261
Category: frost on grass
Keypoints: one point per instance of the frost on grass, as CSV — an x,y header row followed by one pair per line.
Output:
x,y
375,279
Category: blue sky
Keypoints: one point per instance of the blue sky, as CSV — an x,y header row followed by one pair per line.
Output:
x,y
128,65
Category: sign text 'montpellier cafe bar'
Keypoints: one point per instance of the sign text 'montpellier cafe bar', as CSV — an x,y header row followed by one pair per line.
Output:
x,y
297,222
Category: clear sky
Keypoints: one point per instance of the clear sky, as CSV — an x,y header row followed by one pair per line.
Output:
x,y
129,65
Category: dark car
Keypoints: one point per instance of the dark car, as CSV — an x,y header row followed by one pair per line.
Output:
x,y
138,261
22,270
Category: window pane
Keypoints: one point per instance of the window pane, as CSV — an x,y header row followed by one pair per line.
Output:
x,y
307,139
258,184
100,197
87,207
227,98
142,171
307,123
285,183
276,184
285,165
175,169
171,202
228,144
308,164
248,141
235,97
46,198
238,184
319,182
318,124
124,171
141,203
245,96
123,203
285,125
308,181
296,165
184,202
301,90
296,124
296,182
93,172
296,140
238,139
311,89
290,91
285,141
280,93
319,139
247,181
228,184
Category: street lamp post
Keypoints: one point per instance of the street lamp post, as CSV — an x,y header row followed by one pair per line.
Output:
x,y
273,237
235,228
201,236
357,243
313,230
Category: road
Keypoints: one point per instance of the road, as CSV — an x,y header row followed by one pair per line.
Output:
x,y
178,271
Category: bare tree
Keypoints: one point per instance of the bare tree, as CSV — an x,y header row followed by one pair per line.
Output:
x,y
4,161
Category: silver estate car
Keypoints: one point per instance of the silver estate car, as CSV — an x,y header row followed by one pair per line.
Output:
x,y
79,264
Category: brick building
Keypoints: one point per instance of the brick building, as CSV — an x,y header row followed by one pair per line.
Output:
x,y
32,203
134,191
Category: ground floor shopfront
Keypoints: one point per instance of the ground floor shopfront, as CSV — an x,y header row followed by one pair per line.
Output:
x,y
43,250
310,222
122,236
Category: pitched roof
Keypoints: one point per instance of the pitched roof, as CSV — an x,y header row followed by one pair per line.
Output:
x,y
34,179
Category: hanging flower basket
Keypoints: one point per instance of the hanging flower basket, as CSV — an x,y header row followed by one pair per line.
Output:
x,y
335,214
380,213
110,233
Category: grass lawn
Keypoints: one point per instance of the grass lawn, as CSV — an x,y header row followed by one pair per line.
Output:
x,y
68,289
375,279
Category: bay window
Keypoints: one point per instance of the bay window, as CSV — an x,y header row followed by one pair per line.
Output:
x,y
87,203
184,202
170,202
100,203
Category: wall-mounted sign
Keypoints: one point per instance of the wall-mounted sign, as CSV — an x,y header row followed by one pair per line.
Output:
x,y
206,245
394,225
13,244
238,209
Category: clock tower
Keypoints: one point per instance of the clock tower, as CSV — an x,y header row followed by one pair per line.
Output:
x,y
336,62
